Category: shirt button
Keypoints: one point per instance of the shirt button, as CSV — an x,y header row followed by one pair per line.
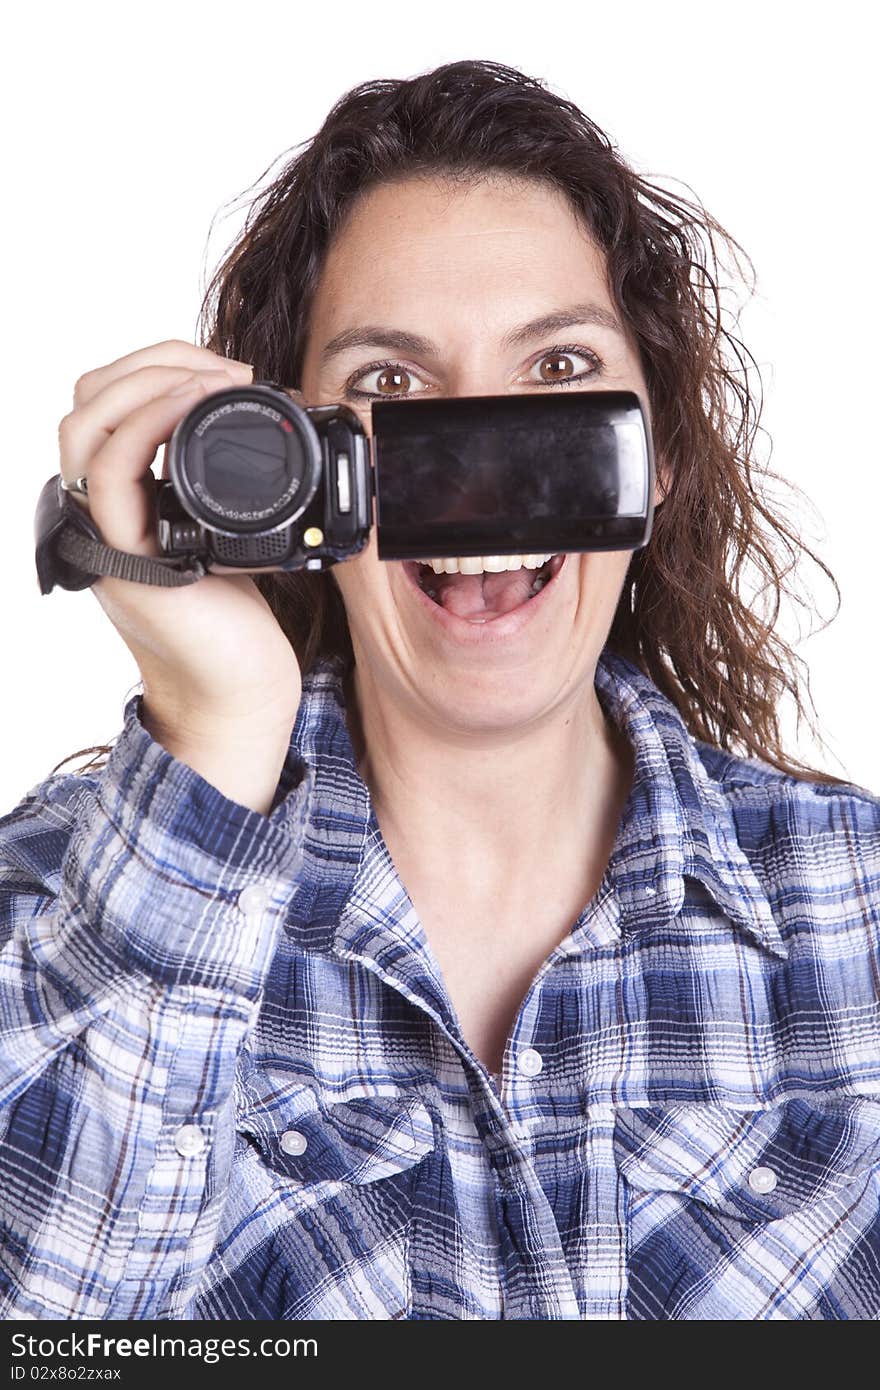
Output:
x,y
294,1143
189,1141
252,900
650,892
762,1179
530,1062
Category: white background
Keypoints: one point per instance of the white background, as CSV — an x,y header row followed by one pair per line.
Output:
x,y
130,130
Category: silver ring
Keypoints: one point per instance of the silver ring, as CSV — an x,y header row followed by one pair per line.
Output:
x,y
78,485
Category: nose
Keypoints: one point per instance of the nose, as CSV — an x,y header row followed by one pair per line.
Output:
x,y
475,379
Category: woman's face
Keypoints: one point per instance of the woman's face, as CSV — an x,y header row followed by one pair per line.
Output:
x,y
462,268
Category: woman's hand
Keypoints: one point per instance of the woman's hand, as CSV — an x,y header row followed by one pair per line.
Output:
x,y
215,663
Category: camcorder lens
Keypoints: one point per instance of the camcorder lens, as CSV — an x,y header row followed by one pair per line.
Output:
x,y
249,460
246,469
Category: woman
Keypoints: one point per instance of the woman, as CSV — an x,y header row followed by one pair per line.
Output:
x,y
477,975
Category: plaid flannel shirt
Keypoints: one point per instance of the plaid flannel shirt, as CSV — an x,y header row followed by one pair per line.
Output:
x,y
233,1085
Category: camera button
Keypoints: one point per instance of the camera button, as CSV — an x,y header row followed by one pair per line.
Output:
x,y
343,482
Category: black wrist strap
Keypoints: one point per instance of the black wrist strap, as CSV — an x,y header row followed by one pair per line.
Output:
x,y
71,553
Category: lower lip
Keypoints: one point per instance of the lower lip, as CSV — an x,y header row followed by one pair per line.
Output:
x,y
495,629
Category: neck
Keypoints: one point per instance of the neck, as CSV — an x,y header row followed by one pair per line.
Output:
x,y
507,813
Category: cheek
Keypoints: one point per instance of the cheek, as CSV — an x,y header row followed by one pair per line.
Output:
x,y
361,578
602,575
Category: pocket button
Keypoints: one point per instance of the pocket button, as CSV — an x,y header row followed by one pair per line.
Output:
x,y
293,1142
762,1180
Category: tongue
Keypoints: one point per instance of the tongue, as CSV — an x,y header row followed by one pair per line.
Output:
x,y
478,595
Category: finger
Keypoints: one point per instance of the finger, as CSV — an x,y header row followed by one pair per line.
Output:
x,y
88,427
174,352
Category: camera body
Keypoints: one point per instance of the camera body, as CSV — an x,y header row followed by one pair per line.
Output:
x,y
258,482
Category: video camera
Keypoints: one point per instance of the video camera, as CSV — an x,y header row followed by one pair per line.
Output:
x,y
259,483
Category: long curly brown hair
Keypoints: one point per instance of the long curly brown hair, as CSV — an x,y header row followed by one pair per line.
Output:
x,y
682,617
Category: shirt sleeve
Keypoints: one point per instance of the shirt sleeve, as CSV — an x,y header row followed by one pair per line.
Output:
x,y
139,913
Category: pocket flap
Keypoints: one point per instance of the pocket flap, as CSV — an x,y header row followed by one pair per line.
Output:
x,y
712,1153
309,1139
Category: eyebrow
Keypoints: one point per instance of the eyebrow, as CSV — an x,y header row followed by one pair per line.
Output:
x,y
374,335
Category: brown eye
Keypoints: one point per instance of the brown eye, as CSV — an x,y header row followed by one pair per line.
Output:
x,y
565,366
391,380
556,366
383,380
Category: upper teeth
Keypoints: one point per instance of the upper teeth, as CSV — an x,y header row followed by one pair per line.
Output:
x,y
494,564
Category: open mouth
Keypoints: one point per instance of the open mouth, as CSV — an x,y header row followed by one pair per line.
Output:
x,y
488,595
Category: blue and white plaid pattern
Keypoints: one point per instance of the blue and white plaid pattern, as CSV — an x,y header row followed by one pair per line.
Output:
x,y
232,1084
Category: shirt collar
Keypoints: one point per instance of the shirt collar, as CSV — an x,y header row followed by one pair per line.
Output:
x,y
677,821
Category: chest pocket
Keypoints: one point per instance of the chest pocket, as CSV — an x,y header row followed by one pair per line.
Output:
x,y
318,1217
752,1214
